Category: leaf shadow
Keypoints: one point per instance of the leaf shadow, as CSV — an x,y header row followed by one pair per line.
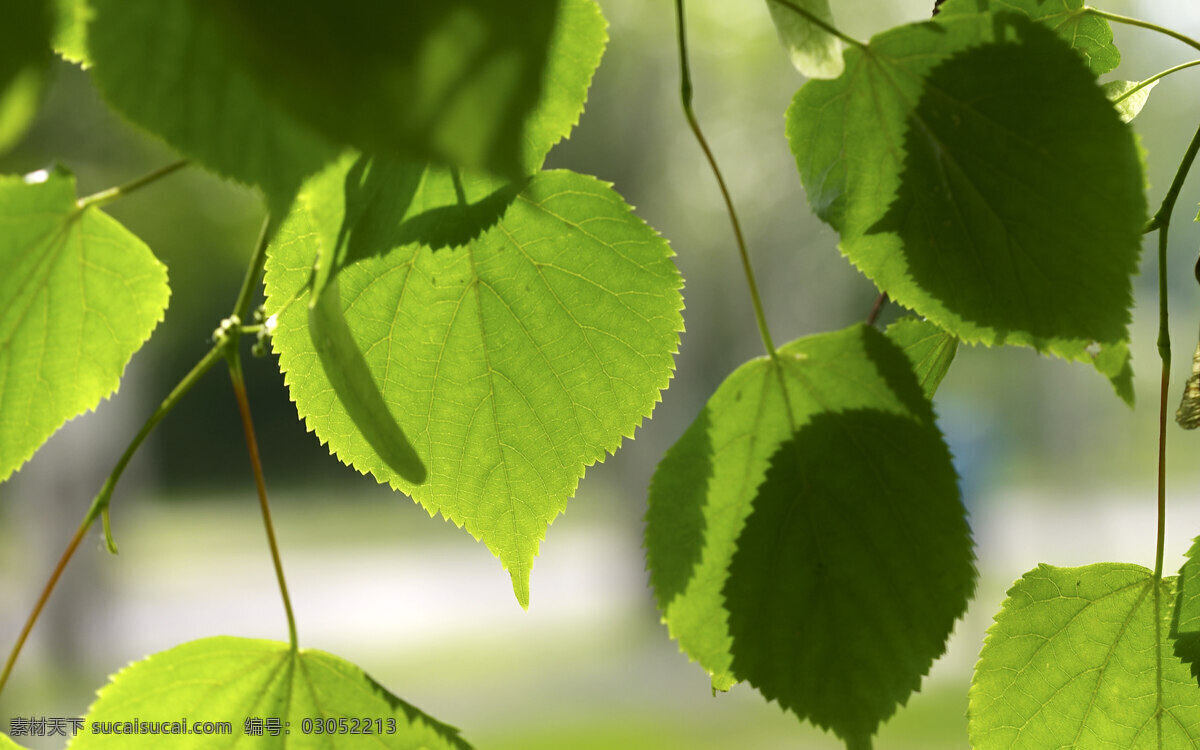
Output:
x,y
356,389
851,569
1187,637
675,516
393,202
975,209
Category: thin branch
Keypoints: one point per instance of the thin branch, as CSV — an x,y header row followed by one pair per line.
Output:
x,y
239,391
111,194
99,506
685,91
1116,18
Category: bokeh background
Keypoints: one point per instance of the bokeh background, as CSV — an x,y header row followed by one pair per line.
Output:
x,y
1054,468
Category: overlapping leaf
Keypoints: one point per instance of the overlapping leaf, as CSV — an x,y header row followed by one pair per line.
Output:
x,y
930,349
70,35
452,81
978,174
815,52
514,334
24,54
1185,625
166,67
1086,33
78,296
246,682
806,534
261,92
1082,657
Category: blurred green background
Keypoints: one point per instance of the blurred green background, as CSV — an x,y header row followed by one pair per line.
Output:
x,y
1054,468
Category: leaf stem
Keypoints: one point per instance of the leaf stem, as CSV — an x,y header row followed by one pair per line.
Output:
x,y
1152,79
99,506
685,92
111,194
880,301
239,391
822,24
1116,18
1162,222
241,308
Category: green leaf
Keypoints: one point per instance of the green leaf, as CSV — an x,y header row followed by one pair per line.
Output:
x,y
930,349
78,296
236,680
7,744
70,37
1128,97
979,176
1185,626
515,333
806,532
450,81
166,67
1088,34
815,52
1082,657
24,55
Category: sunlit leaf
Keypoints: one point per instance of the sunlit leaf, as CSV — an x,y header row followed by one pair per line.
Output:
x,y
516,334
1128,96
1082,658
992,188
806,533
78,296
815,52
246,682
70,36
930,349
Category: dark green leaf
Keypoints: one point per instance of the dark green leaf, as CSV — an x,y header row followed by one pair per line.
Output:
x,y
226,679
930,349
978,175
24,55
78,296
516,334
806,533
166,66
1082,658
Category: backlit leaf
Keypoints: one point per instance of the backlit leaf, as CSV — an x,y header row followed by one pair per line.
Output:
x,y
806,533
516,334
930,349
1128,97
452,81
167,68
991,186
1083,658
1088,34
78,296
239,680
70,35
815,52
